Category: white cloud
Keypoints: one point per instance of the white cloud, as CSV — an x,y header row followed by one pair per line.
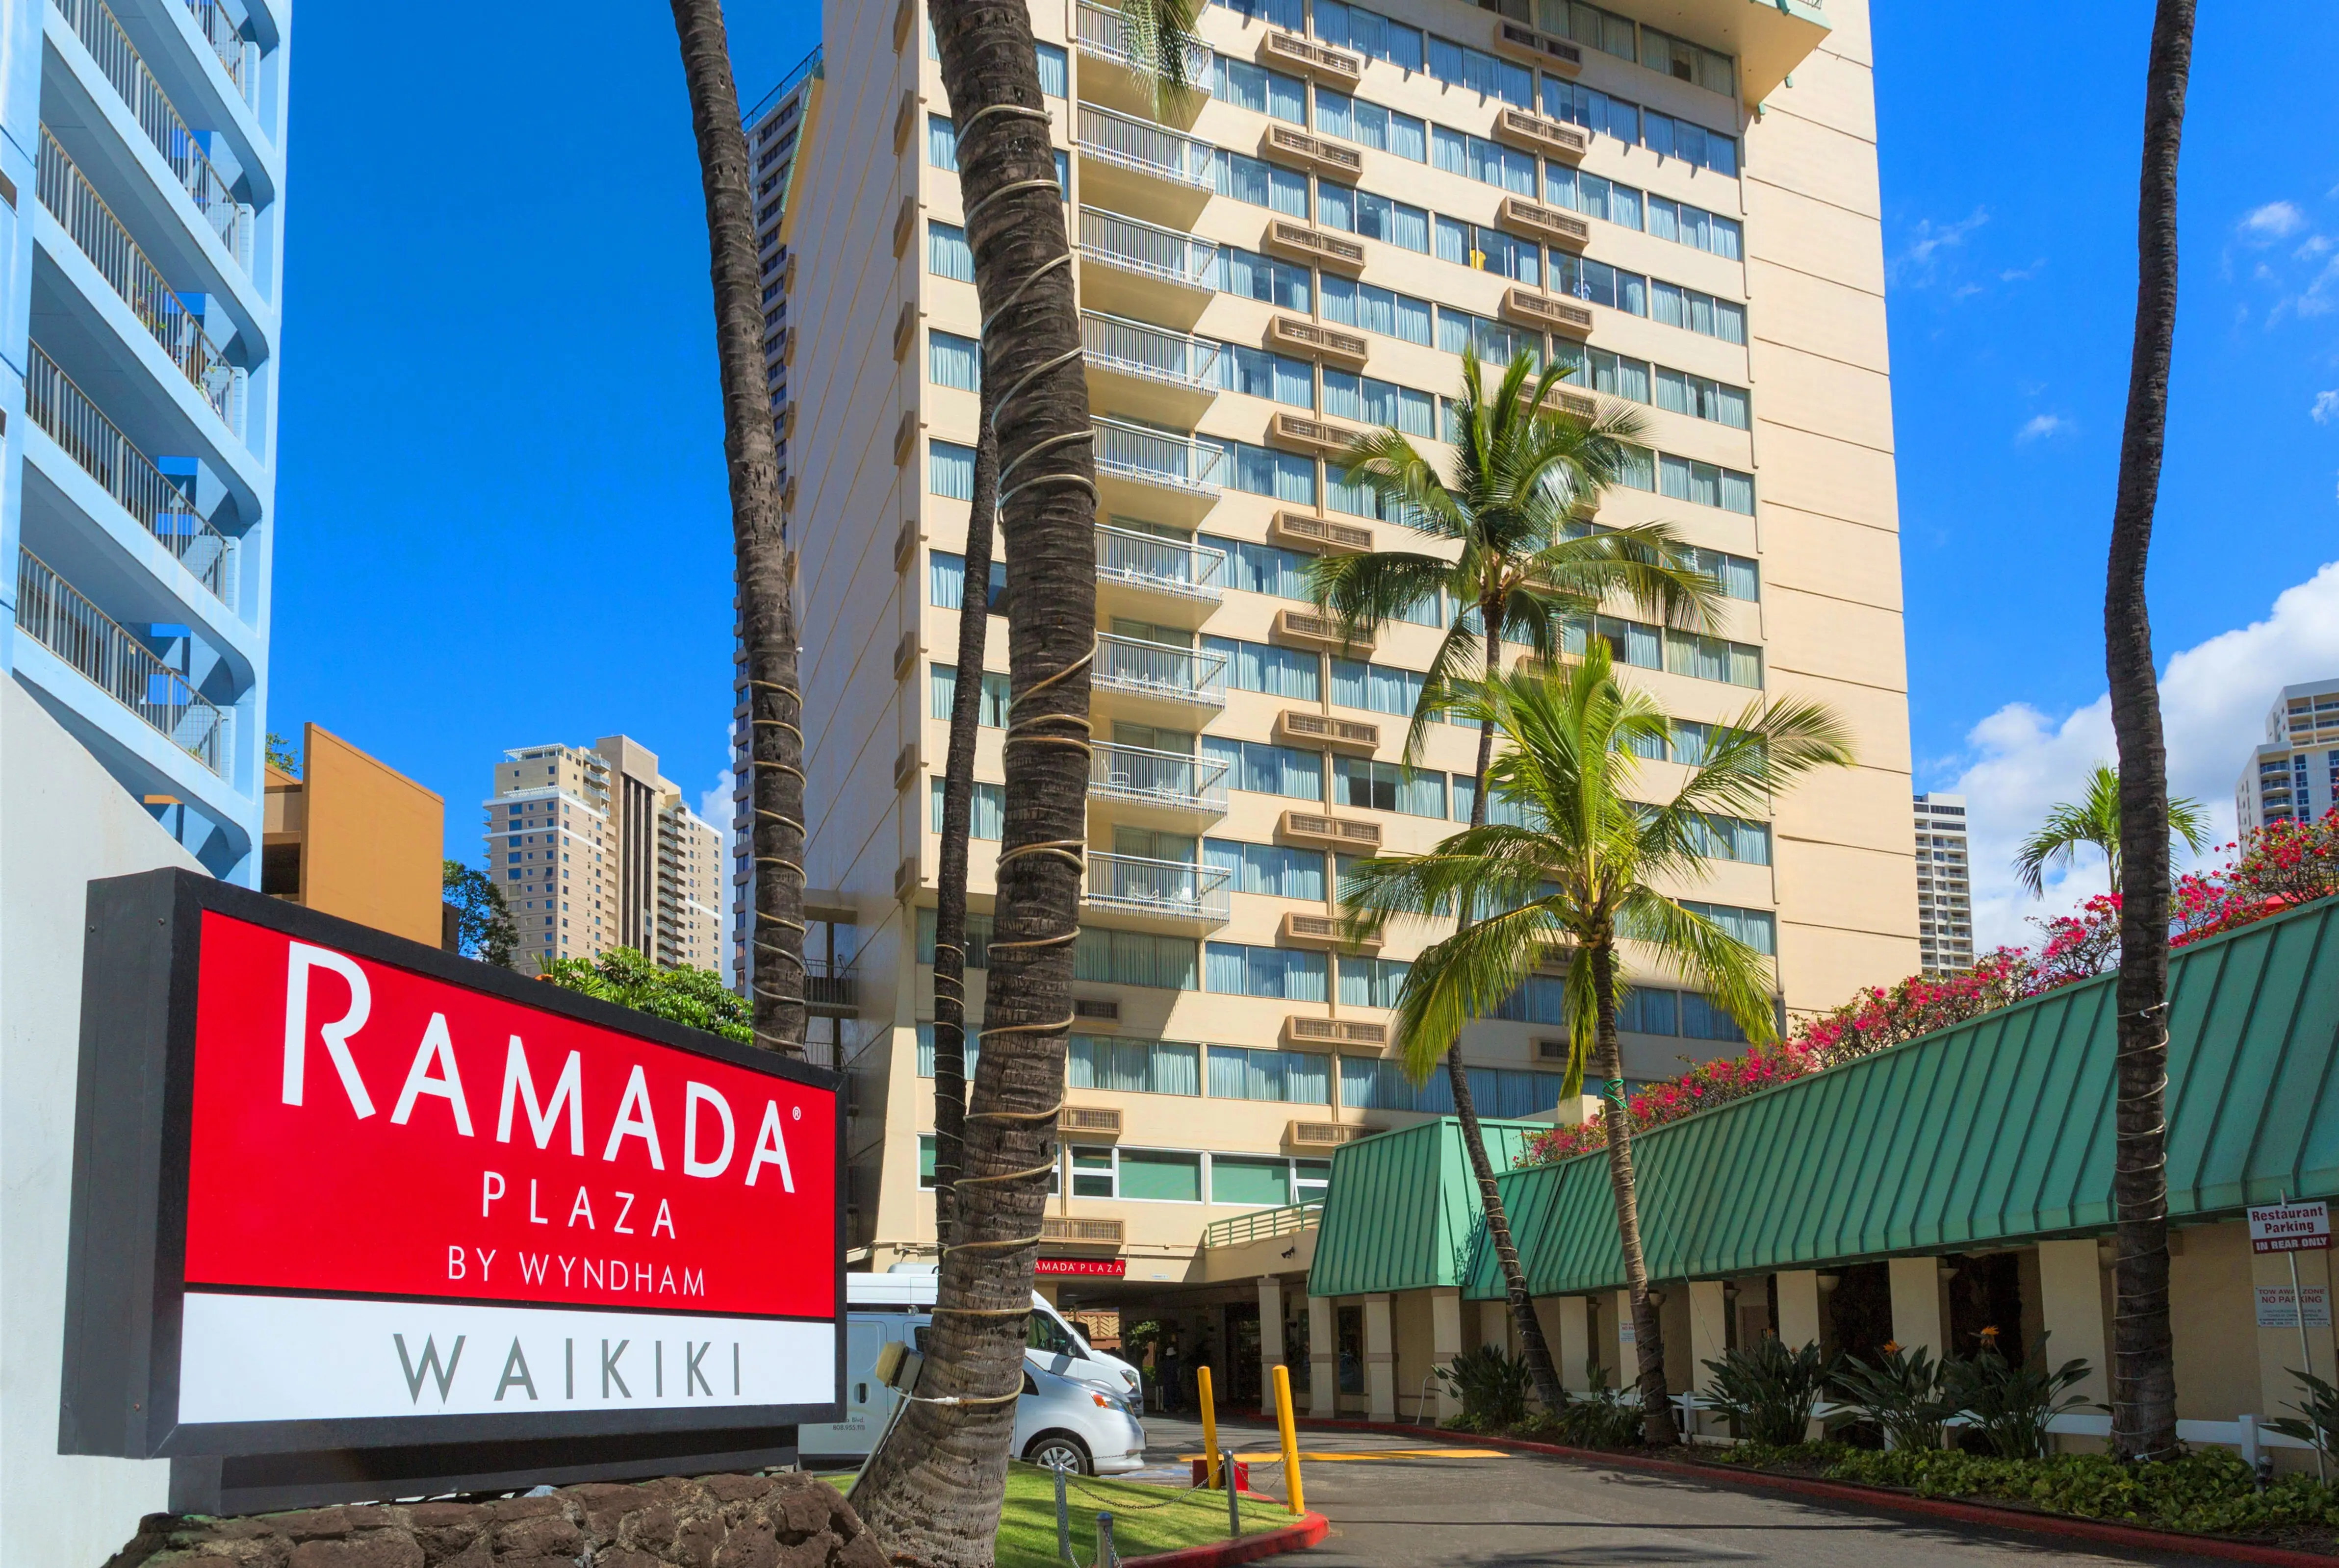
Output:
x,y
2040,426
2274,220
2213,705
2325,408
2018,275
1931,237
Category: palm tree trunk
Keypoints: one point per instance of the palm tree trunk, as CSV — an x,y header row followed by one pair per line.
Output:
x,y
2144,1383
958,809
1648,1333
765,567
934,1494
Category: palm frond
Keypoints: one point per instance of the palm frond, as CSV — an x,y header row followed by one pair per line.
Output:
x,y
1733,975
1160,36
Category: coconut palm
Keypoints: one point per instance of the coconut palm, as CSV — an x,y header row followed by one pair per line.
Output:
x,y
763,565
2095,819
933,1491
1522,567
2144,1379
1577,879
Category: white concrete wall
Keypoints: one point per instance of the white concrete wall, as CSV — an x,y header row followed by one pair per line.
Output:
x,y
63,822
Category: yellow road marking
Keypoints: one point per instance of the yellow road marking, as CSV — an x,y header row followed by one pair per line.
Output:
x,y
1375,1454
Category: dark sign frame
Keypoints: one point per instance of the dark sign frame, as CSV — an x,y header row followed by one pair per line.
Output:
x,y
133,1132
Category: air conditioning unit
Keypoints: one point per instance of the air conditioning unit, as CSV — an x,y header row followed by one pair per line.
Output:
x,y
1087,1121
1070,1230
1093,1011
1553,1050
1323,1134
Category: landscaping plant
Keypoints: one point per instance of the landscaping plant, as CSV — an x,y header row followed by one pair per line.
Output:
x,y
1770,1390
1492,1385
2010,1405
2321,1409
1603,1418
1902,1392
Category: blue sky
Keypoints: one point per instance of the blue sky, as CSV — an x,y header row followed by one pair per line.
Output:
x,y
498,396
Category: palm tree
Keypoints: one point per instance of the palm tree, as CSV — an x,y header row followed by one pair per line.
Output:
x,y
1575,881
2095,819
934,1491
1522,476
2144,1379
765,567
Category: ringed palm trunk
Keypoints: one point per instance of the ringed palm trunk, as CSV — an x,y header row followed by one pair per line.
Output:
x,y
958,810
1533,1349
933,1495
763,566
1648,1333
2144,1389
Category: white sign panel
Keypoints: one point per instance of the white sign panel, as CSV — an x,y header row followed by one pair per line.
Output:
x,y
2277,1309
2291,1227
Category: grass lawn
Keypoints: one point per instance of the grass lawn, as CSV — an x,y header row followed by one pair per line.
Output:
x,y
1145,1519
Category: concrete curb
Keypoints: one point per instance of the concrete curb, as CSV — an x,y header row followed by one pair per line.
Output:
x,y
2101,1530
1311,1528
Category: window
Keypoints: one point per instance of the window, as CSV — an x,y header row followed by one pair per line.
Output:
x,y
1489,162
1158,1175
1368,1083
1713,658
1592,109
942,143
948,255
1679,307
1262,185
1092,1170
1756,928
1592,195
1256,277
1588,25
1252,1182
1263,569
1265,668
1259,90
1387,786
1496,343
1370,125
952,361
978,939
971,1050
1598,283
1629,642
1489,251
1689,141
1132,1066
950,469
1693,226
1231,969
1370,34
1133,958
1355,212
1268,870
1730,838
1501,807
941,691
1372,309
1350,396
1701,398
1258,373
1602,371
1265,769
1053,75
1706,484
1686,62
1476,71
986,814
1297,1077
946,582
1284,14
1265,471
1371,981
1740,578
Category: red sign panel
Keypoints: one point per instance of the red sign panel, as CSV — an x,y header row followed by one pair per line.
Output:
x,y
1082,1268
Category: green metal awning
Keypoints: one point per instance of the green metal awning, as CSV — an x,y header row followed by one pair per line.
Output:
x,y
1993,1133
1402,1212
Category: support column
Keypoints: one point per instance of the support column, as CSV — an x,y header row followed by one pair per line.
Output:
x,y
1709,1337
1380,1359
1495,1323
1270,1339
1323,1358
2071,1310
1799,1323
1048,1288
1628,1350
1574,1346
1917,1305
1445,1345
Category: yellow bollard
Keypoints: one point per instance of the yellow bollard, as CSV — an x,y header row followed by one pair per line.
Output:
x,y
1209,1425
1291,1438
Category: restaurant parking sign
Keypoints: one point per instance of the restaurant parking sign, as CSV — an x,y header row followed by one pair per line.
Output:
x,y
2291,1228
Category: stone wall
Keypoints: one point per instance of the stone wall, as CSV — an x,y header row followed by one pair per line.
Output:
x,y
713,1521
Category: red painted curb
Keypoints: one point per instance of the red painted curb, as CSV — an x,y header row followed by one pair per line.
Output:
x,y
2096,1530
1311,1528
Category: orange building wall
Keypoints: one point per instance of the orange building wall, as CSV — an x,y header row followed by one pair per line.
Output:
x,y
375,841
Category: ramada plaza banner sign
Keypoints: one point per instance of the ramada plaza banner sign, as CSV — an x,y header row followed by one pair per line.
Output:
x,y
333,1189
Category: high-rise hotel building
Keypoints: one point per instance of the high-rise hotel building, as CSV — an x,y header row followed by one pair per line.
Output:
x,y
2293,776
1945,939
594,848
1640,193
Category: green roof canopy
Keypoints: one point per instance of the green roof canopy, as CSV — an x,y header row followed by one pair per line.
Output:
x,y
1991,1133
1402,1212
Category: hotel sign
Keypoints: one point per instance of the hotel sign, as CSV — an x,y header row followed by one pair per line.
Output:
x,y
333,1189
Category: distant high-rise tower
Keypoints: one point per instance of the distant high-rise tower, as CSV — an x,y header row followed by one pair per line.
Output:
x,y
2293,776
594,850
1944,891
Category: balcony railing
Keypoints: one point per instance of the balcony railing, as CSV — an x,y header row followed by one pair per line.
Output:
x,y
119,62
74,203
1099,31
1148,148
1167,566
54,615
1149,777
1262,1224
1159,669
1176,888
105,454
1148,248
1153,457
1135,349
219,31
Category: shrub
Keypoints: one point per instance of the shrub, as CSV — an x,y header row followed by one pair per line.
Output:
x,y
1603,1418
1902,1392
2210,1490
1491,1385
2010,1405
1769,1389
2321,1408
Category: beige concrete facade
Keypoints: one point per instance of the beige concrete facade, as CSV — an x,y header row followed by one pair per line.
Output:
x,y
356,838
594,848
880,410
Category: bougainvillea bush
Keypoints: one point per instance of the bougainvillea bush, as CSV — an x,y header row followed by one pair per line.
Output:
x,y
2273,869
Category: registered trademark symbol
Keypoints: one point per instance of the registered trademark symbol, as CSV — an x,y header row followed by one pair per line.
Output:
x,y
796,1112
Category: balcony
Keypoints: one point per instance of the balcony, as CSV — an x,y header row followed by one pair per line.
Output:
x,y
1100,35
1560,314
1139,784
832,989
102,452
1147,372
1135,165
1170,582
1137,268
1158,680
1162,472
236,55
1063,1230
119,62
52,612
92,226
1157,895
